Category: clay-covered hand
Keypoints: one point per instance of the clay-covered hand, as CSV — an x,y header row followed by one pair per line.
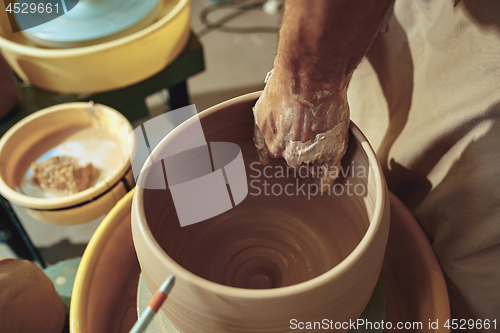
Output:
x,y
303,119
303,114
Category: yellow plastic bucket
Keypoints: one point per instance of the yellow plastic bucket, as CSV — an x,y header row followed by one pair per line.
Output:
x,y
102,67
100,291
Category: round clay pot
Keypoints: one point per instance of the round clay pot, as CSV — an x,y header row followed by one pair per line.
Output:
x,y
275,259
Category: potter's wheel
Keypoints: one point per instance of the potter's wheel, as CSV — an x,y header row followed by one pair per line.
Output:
x,y
105,294
88,22
374,311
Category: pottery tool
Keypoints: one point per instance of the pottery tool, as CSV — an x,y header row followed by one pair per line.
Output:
x,y
153,306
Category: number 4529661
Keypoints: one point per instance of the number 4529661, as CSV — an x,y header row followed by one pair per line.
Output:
x,y
25,8
464,324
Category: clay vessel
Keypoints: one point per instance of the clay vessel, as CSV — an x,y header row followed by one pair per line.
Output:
x,y
275,259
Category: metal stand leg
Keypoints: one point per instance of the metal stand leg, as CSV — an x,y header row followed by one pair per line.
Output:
x,y
178,95
15,236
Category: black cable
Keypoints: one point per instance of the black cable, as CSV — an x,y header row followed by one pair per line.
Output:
x,y
219,24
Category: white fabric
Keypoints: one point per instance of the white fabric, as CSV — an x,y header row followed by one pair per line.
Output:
x,y
428,99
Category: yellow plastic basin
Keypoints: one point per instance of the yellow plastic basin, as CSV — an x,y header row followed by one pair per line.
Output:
x,y
105,288
102,67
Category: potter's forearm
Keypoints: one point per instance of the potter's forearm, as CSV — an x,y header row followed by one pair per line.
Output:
x,y
325,40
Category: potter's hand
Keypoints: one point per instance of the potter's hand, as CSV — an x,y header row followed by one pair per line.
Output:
x,y
303,115
303,119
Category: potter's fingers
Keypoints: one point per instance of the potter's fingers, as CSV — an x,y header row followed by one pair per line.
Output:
x,y
313,154
264,148
260,144
291,158
274,151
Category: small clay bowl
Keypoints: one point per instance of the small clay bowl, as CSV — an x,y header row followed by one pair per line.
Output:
x,y
31,137
274,257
